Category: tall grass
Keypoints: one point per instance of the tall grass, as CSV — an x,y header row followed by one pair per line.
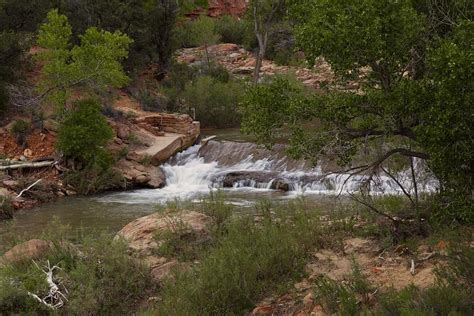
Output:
x,y
247,262
100,277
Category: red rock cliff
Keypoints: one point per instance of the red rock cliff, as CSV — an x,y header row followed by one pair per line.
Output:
x,y
233,7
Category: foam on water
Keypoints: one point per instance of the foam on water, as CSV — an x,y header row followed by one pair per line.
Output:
x,y
190,175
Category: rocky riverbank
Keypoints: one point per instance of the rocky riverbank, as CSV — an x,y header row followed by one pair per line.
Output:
x,y
143,140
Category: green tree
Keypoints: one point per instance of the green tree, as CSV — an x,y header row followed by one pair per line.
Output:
x,y
94,64
23,15
203,33
415,97
10,57
148,22
83,134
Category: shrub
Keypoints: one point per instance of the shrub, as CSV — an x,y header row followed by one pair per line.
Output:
x,y
215,103
6,208
99,275
246,263
3,100
94,179
84,133
231,30
152,103
20,129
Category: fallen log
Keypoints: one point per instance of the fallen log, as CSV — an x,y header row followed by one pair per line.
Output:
x,y
41,164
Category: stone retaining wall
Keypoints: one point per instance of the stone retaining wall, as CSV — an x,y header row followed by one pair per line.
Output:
x,y
170,123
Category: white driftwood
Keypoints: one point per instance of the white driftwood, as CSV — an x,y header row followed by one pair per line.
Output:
x,y
412,268
41,164
28,188
55,298
207,139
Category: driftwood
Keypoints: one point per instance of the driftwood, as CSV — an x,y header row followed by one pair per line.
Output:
x,y
41,164
55,298
207,139
28,188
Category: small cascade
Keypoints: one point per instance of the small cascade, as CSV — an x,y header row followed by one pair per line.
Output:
x,y
248,167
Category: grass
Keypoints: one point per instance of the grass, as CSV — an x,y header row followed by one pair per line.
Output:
x,y
247,261
97,272
245,258
6,208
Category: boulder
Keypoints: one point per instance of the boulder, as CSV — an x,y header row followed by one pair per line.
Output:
x,y
280,185
140,234
5,192
27,251
139,175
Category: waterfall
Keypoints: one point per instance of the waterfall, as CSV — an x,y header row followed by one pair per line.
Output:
x,y
245,167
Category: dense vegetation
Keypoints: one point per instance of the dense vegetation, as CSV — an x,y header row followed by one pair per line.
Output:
x,y
413,71
242,262
401,101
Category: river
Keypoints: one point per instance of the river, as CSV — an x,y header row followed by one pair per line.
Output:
x,y
245,172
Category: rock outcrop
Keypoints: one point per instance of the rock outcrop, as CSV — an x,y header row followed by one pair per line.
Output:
x,y
147,141
143,241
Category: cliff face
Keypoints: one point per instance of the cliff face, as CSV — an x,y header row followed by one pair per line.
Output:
x,y
233,7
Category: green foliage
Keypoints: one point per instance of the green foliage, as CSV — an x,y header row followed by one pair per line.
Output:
x,y
209,89
6,208
247,262
95,178
199,32
181,242
23,15
203,31
231,30
20,129
265,107
448,120
215,102
379,31
149,23
83,134
99,275
94,64
11,54
189,5
414,87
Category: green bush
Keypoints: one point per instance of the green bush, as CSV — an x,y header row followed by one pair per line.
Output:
x,y
3,100
215,102
83,134
94,179
231,30
100,278
6,208
247,262
20,129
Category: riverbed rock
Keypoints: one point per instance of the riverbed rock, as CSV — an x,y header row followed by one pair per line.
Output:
x,y
138,175
140,234
280,185
27,251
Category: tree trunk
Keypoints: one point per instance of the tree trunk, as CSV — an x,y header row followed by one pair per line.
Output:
x,y
207,56
27,165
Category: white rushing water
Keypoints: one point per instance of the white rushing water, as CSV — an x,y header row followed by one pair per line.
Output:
x,y
191,174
